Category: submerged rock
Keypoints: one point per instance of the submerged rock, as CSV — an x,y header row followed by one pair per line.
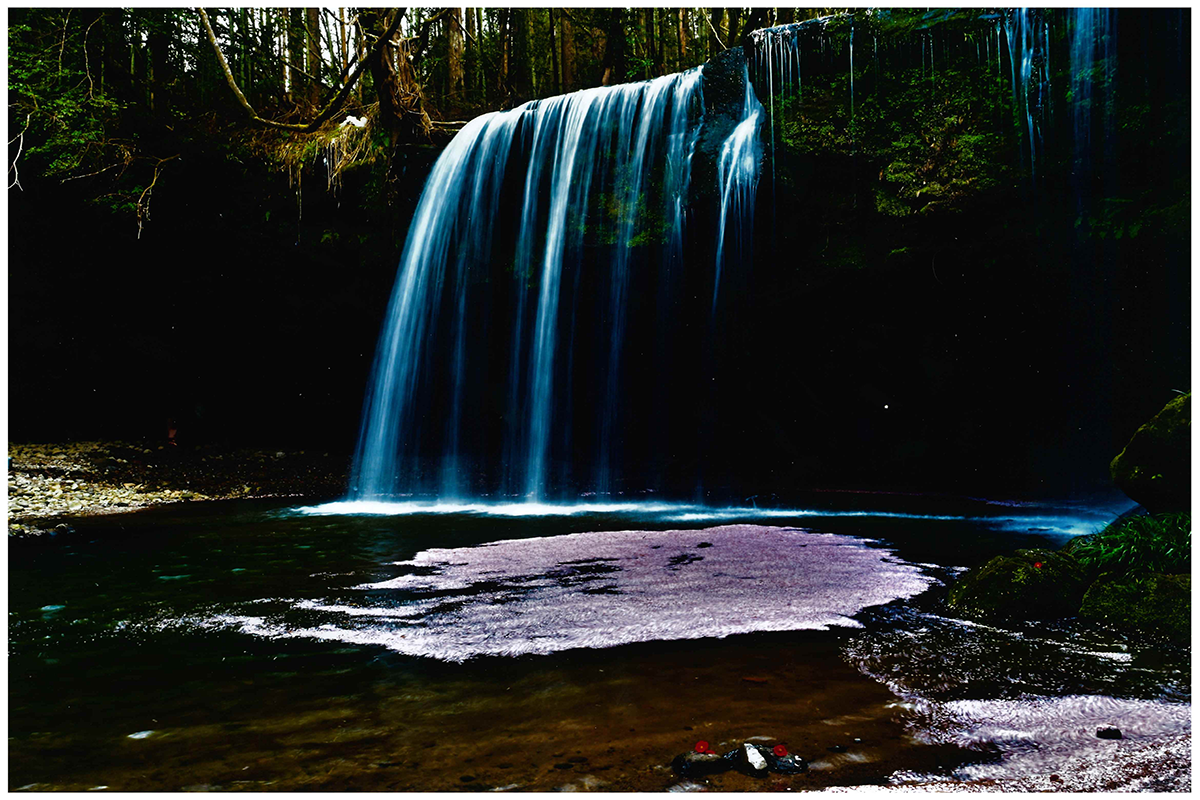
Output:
x,y
1155,467
749,759
788,764
699,765
1143,601
1108,732
1029,584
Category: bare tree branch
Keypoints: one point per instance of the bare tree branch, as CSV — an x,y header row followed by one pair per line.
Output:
x,y
20,139
86,62
716,35
143,202
334,105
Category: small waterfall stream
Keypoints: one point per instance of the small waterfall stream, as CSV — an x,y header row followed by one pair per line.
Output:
x,y
737,175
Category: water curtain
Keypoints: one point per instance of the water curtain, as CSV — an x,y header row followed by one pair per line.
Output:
x,y
538,190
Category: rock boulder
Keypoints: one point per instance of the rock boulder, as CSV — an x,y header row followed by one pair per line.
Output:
x,y
1029,584
1154,469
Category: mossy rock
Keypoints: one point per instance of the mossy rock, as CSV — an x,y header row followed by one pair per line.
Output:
x,y
1029,584
1155,467
1150,602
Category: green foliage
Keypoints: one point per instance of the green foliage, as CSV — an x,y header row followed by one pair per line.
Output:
x,y
68,120
1158,543
934,137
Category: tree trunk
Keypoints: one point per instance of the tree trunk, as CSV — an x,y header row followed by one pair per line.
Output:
x,y
614,49
158,44
568,54
734,17
716,22
681,18
471,54
313,34
502,84
756,20
647,35
454,53
401,103
344,39
295,52
660,35
519,65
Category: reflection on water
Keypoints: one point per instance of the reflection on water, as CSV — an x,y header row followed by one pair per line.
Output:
x,y
131,666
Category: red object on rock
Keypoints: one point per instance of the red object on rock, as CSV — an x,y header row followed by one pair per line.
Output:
x,y
779,750
702,747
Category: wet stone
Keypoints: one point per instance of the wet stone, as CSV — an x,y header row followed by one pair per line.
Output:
x,y
751,757
788,765
1108,732
698,765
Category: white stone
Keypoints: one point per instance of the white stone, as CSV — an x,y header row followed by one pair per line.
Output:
x,y
754,757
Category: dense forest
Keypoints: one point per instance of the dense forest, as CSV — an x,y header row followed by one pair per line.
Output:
x,y
112,95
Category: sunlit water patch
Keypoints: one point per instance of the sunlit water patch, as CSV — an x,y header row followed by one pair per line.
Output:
x,y
601,589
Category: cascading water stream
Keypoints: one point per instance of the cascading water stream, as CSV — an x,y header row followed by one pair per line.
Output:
x,y
737,176
454,193
1089,43
564,153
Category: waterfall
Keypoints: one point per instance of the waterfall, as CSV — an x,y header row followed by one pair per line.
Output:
x,y
737,176
544,188
1029,65
1089,47
463,185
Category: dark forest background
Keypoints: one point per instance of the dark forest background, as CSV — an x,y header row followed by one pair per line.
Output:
x,y
206,213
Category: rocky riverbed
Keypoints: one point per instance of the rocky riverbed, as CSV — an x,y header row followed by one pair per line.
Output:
x,y
47,482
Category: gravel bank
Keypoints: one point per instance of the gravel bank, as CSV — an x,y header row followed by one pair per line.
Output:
x,y
49,481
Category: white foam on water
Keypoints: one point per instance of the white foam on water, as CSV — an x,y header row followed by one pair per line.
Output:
x,y
405,507
1069,524
603,589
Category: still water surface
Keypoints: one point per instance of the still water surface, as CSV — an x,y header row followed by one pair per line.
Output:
x,y
255,646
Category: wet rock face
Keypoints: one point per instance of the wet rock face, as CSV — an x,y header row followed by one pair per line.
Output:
x,y
1029,584
1154,469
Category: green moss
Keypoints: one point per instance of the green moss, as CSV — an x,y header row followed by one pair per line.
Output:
x,y
1029,584
1147,602
1154,469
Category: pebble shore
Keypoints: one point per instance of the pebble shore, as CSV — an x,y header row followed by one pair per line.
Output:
x,y
50,482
